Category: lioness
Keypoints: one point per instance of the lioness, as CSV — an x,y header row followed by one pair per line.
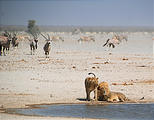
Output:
x,y
91,84
116,96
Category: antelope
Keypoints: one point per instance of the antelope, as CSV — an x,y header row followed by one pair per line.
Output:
x,y
47,46
57,38
86,39
116,39
22,37
36,41
121,38
32,45
111,42
4,44
15,41
35,37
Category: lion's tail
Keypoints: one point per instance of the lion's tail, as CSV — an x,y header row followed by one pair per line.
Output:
x,y
92,74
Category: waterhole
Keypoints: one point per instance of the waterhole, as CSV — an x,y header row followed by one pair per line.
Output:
x,y
109,111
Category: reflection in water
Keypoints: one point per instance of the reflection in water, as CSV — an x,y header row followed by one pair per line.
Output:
x,y
112,111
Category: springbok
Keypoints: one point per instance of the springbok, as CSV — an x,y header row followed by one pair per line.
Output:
x,y
121,37
22,37
57,38
86,39
47,46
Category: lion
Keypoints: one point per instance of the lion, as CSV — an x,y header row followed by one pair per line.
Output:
x,y
116,97
100,92
91,84
104,93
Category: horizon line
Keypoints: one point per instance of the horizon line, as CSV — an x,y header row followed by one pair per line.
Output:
x,y
85,25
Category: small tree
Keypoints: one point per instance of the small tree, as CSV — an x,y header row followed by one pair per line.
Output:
x,y
33,29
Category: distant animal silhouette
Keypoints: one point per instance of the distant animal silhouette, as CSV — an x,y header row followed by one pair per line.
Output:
x,y
86,39
111,43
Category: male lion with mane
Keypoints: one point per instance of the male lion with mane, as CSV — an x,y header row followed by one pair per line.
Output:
x,y
100,91
105,94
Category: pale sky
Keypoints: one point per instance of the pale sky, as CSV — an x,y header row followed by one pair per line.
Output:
x,y
78,12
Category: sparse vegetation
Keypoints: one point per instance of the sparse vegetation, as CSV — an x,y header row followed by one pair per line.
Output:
x,y
33,29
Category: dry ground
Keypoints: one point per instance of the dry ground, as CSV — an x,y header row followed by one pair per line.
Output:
x,y
34,79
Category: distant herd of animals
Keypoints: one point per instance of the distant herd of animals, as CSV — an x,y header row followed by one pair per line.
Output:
x,y
8,38
102,91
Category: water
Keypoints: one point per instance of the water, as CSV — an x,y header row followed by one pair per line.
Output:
x,y
110,111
